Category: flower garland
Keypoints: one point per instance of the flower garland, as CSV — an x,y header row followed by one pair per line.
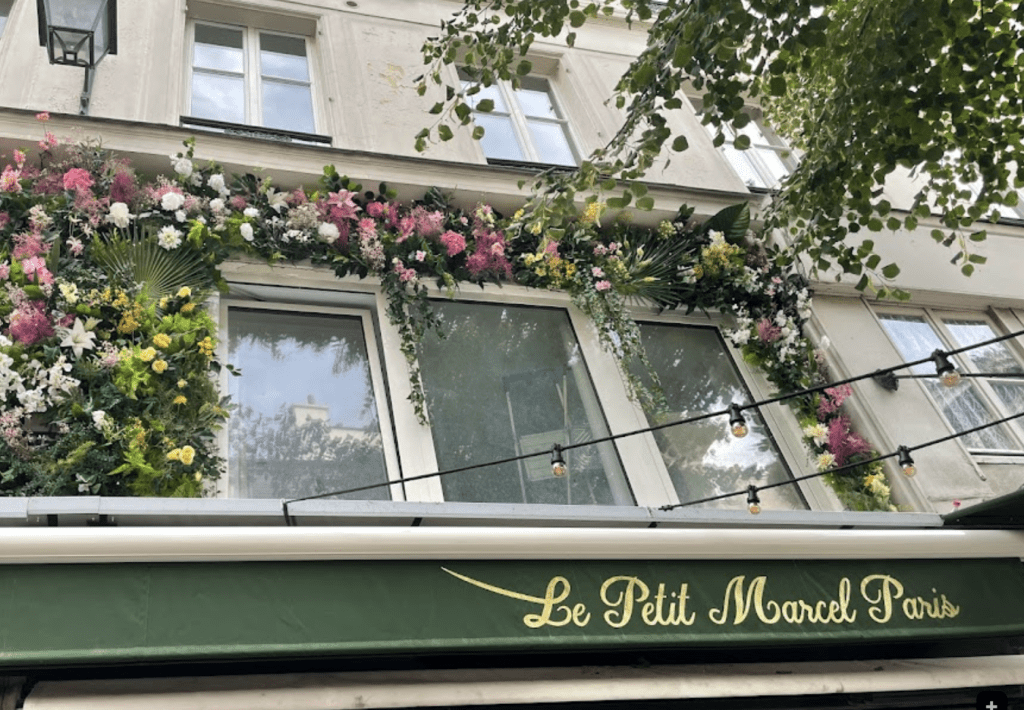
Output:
x,y
107,354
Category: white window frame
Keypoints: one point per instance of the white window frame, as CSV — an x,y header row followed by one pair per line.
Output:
x,y
935,318
377,379
519,120
775,144
410,445
251,71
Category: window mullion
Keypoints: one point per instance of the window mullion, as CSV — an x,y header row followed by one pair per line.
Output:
x,y
644,466
253,82
519,122
415,443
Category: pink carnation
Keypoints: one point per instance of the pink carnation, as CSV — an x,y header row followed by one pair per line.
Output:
x,y
77,179
376,210
454,242
123,188
238,203
367,229
406,225
428,223
603,285
10,180
5,270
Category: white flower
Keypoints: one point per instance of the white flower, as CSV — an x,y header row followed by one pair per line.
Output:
x,y
824,344
825,461
172,201
818,432
78,338
33,400
216,182
169,238
251,212
277,200
217,205
182,166
180,215
420,256
246,230
119,215
328,232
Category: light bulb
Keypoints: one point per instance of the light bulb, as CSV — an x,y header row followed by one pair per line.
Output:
x,y
950,378
736,421
753,502
909,470
754,508
558,469
905,461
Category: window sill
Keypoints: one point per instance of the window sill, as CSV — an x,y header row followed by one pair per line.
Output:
x,y
536,167
258,132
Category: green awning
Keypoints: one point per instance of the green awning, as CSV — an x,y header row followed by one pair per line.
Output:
x,y
1002,513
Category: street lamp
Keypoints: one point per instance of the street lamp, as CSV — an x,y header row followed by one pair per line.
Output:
x,y
78,33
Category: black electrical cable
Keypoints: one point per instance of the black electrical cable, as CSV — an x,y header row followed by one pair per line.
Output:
x,y
678,422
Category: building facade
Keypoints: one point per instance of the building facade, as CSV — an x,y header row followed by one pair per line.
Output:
x,y
504,585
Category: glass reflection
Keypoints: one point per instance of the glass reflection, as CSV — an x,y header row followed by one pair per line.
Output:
x,y
288,107
704,459
306,419
511,380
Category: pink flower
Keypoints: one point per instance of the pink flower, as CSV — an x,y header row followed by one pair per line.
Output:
x,y
376,210
27,246
404,275
420,255
454,242
406,225
832,399
37,267
10,180
603,285
238,203
5,219
5,270
75,246
123,188
600,250
598,272
767,331
341,205
77,179
43,116
551,249
19,158
842,443
428,223
29,324
49,141
488,260
367,229
298,197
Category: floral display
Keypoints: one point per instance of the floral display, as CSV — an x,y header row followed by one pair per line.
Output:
x,y
108,358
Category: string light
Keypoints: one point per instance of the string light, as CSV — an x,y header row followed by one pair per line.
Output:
x,y
945,369
905,461
734,408
753,502
558,467
736,421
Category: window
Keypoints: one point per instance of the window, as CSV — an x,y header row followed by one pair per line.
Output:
x,y
976,400
525,123
5,12
704,459
767,161
309,406
246,75
509,380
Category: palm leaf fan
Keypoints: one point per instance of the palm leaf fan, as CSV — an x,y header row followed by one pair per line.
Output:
x,y
138,261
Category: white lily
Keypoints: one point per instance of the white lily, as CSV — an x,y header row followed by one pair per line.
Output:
x,y
78,338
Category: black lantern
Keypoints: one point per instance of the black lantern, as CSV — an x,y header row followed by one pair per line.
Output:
x,y
78,33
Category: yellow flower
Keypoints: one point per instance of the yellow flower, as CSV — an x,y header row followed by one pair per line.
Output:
x,y
188,308
592,213
206,346
174,455
147,354
199,476
159,366
182,384
518,215
181,399
187,455
161,340
162,303
184,292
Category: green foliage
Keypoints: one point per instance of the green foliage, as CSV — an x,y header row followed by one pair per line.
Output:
x,y
864,88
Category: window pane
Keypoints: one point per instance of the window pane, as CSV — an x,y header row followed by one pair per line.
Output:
x,y
218,97
743,165
511,380
991,358
218,48
5,12
499,139
551,143
775,170
306,421
486,92
283,57
703,458
962,405
536,103
288,106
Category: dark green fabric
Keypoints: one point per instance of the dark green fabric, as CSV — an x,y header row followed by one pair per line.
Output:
x,y
115,612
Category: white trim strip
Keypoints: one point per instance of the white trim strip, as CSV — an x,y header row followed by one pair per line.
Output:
x,y
221,544
396,689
